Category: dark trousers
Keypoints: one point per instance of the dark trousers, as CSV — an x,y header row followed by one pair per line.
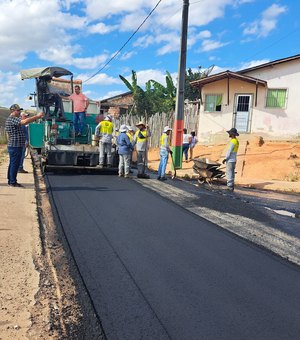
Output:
x,y
78,121
15,155
185,150
21,165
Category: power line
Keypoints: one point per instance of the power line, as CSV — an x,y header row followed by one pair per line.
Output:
x,y
133,34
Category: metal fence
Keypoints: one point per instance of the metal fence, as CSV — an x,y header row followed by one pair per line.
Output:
x,y
158,121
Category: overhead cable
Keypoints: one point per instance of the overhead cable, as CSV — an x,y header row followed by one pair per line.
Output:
x,y
133,34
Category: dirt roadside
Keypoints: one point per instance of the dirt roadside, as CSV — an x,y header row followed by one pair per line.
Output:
x,y
268,166
38,298
41,293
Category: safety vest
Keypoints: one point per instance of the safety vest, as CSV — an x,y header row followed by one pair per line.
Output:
x,y
162,140
137,134
106,127
236,144
129,136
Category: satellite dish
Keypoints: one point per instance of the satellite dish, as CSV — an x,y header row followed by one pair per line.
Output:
x,y
206,72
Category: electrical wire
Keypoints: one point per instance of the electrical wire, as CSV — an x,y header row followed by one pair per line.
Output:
x,y
127,41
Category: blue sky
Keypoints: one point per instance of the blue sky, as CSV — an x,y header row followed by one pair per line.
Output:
x,y
83,35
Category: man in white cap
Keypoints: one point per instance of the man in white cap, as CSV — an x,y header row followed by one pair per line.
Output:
x,y
104,130
21,169
231,157
16,141
125,147
140,140
164,151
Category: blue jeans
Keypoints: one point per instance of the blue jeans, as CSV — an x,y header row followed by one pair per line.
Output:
x,y
185,150
230,173
21,165
164,155
78,121
15,154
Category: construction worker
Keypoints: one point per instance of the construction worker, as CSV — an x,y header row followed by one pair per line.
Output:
x,y
125,148
164,151
115,136
130,134
140,140
104,131
231,157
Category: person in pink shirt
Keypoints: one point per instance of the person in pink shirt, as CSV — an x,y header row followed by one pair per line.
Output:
x,y
80,105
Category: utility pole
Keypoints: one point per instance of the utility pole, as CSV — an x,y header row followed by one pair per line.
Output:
x,y
179,110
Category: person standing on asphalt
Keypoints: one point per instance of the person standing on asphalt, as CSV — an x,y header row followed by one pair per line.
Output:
x,y
21,169
140,141
164,153
104,130
125,149
16,141
193,143
130,134
231,157
186,141
80,105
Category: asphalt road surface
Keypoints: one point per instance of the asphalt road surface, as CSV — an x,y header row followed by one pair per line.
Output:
x,y
155,270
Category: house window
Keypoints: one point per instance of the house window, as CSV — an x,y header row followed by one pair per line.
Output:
x,y
213,102
276,98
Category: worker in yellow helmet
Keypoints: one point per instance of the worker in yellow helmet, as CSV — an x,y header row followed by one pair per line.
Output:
x,y
164,151
140,140
104,130
231,157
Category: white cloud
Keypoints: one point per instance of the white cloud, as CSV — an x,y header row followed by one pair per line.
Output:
x,y
32,26
267,22
144,75
101,79
209,45
101,28
253,63
127,55
10,82
111,94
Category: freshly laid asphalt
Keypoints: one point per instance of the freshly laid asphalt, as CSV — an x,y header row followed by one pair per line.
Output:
x,y
157,271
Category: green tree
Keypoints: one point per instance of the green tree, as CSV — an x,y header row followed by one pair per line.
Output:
x,y
140,99
155,98
191,93
164,96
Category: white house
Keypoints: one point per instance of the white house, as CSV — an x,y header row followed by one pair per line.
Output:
x,y
264,99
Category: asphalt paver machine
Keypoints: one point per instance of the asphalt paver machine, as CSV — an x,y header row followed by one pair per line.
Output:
x,y
53,137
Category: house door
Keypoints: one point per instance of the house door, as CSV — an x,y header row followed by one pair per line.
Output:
x,y
242,112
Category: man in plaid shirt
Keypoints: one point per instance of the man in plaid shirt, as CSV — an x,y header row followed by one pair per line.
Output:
x,y
16,141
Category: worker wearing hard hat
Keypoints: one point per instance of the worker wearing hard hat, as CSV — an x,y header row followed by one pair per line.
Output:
x,y
231,157
130,134
140,140
104,131
125,148
164,151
